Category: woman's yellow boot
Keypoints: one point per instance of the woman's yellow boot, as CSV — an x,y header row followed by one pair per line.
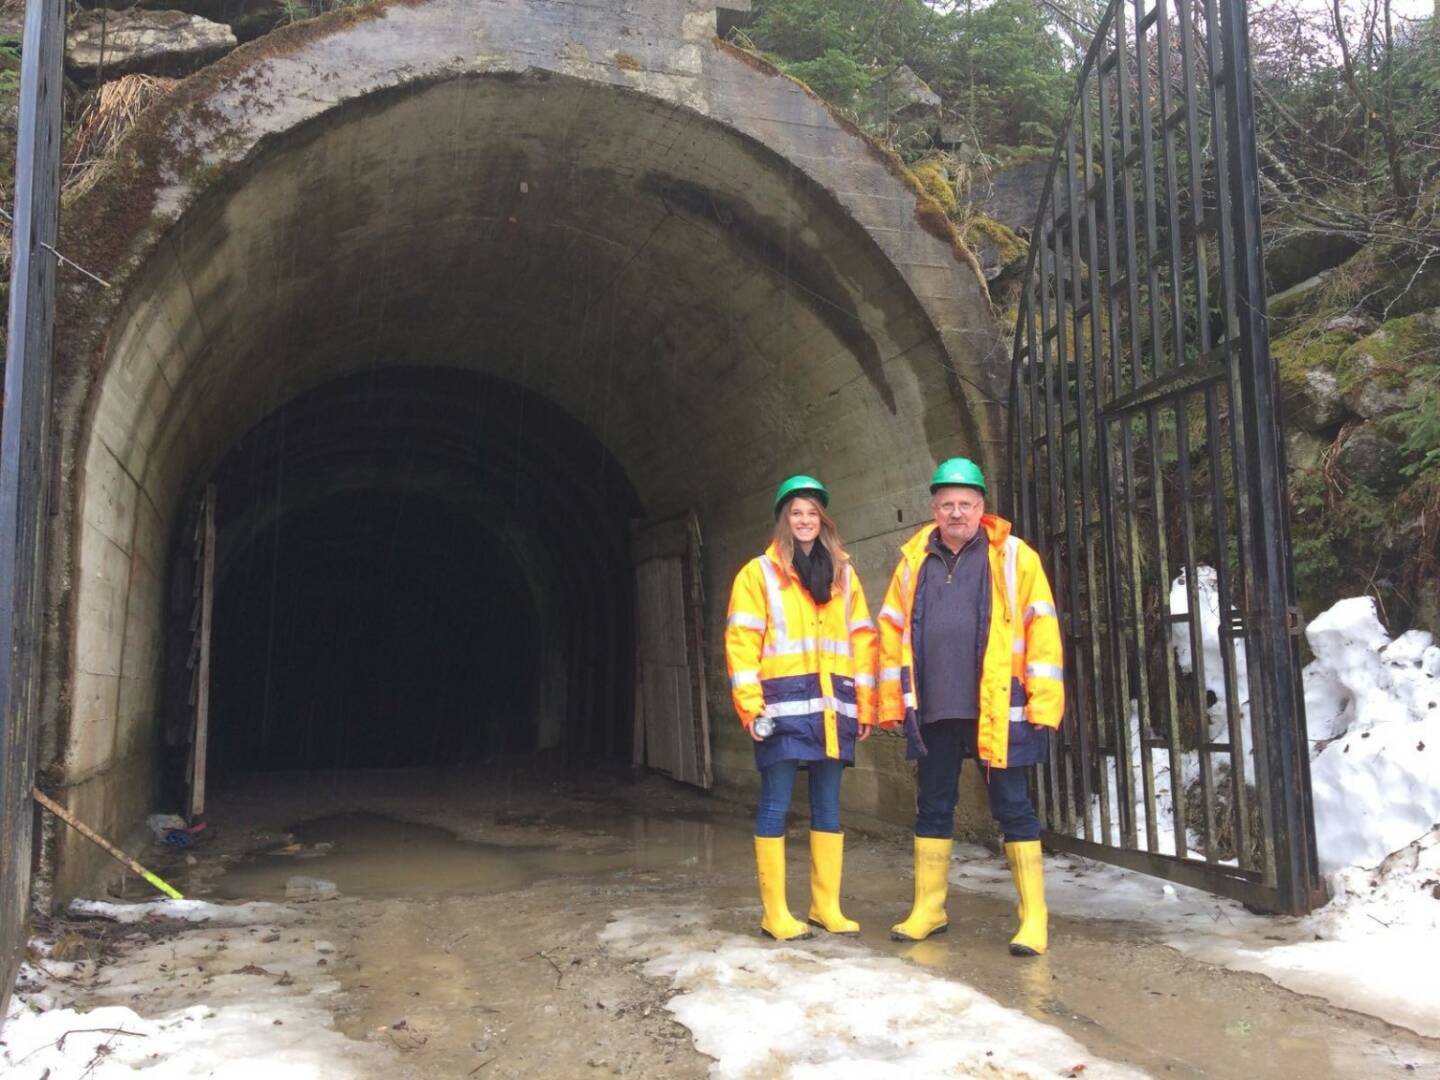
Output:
x,y
1027,865
827,858
777,923
932,883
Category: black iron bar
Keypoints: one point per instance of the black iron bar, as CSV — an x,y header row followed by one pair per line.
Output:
x,y
24,448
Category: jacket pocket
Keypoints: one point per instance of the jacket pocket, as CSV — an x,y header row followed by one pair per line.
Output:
x,y
1029,744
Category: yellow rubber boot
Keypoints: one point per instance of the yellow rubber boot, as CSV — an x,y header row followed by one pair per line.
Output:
x,y
778,923
932,883
1028,867
827,857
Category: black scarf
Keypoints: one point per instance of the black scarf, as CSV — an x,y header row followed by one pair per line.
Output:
x,y
815,571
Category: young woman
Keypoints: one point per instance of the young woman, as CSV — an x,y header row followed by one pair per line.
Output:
x,y
801,651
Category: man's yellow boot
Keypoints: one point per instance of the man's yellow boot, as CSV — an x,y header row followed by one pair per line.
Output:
x,y
827,857
1028,867
777,923
932,882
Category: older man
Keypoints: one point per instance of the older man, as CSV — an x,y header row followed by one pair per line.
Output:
x,y
970,664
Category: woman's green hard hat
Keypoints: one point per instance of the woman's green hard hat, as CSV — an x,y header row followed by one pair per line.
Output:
x,y
801,485
958,472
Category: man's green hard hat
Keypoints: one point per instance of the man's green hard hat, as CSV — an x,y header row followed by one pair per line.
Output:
x,y
957,472
801,485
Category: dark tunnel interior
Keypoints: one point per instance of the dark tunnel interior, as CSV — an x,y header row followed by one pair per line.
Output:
x,y
414,567
373,630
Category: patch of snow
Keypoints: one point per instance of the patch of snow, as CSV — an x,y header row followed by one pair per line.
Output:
x,y
193,911
1213,654
267,1007
236,1042
835,1010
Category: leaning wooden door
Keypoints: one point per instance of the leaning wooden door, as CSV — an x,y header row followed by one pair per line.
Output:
x,y
672,722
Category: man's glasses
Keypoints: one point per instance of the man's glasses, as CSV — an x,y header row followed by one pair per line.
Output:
x,y
958,506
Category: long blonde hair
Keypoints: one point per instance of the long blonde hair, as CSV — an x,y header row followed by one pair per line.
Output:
x,y
829,536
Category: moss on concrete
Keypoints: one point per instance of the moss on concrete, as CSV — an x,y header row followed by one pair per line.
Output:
x,y
936,183
978,229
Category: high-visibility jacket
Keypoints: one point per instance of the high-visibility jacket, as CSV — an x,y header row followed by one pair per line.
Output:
x,y
1022,679
812,667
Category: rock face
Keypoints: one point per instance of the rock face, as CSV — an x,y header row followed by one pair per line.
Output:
x,y
111,43
1368,457
1294,257
1014,194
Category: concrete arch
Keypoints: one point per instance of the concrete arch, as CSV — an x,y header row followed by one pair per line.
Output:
x,y
606,209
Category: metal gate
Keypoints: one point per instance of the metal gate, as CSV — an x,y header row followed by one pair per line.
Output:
x,y
23,446
1148,468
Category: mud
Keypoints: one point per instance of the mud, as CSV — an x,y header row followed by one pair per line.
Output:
x,y
464,938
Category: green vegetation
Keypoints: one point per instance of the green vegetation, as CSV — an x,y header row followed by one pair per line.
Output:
x,y
999,67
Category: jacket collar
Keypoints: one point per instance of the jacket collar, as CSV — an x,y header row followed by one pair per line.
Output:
x,y
773,554
997,531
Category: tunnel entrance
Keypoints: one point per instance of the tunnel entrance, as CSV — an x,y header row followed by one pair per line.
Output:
x,y
439,337
415,567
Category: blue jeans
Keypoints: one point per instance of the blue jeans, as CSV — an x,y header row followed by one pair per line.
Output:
x,y
949,743
777,781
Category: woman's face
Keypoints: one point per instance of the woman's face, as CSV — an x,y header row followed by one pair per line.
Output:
x,y
804,518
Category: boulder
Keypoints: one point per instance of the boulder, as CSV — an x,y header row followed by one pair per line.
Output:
x,y
1381,364
1367,457
1315,405
1296,300
1303,451
112,43
906,94
1291,257
1350,323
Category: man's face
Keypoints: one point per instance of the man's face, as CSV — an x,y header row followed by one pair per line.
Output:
x,y
957,512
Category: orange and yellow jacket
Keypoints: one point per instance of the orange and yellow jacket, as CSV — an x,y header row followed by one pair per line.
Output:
x,y
812,667
1022,679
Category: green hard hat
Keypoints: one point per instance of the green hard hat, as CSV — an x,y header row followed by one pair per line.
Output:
x,y
958,472
801,485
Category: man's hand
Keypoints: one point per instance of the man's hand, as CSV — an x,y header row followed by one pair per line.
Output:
x,y
864,732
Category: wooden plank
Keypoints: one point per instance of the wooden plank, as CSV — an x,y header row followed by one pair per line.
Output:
x,y
671,721
694,602
202,696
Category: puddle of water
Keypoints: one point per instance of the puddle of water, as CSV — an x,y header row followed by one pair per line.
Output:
x,y
374,856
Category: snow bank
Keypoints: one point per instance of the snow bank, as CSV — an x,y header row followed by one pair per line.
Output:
x,y
835,1011
1375,769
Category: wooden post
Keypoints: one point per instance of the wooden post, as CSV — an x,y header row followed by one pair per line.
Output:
x,y
202,676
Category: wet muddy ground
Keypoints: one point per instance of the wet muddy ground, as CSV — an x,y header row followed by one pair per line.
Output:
x,y
463,935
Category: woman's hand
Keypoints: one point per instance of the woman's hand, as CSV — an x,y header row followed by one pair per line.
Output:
x,y
750,730
864,733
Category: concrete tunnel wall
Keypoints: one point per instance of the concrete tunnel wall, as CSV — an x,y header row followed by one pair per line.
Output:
x,y
603,209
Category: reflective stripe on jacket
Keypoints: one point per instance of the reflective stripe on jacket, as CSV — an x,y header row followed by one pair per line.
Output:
x,y
1022,675
813,666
